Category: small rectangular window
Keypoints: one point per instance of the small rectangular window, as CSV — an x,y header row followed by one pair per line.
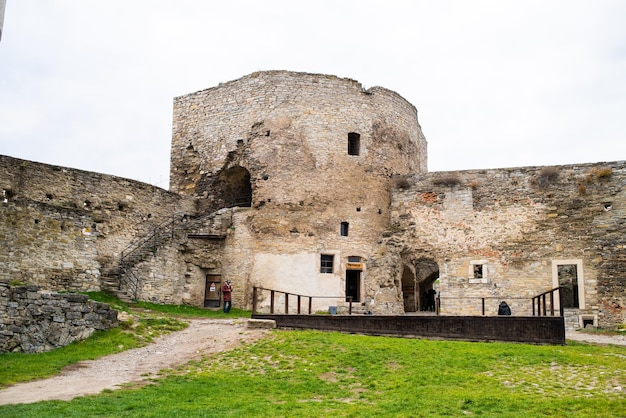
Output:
x,y
478,271
326,263
344,229
354,143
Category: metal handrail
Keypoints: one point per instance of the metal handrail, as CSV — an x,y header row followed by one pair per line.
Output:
x,y
167,227
541,303
137,245
131,282
299,297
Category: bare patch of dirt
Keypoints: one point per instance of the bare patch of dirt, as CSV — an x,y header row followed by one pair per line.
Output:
x,y
203,338
590,337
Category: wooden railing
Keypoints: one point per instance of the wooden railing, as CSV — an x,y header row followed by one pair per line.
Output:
x,y
540,302
486,303
299,299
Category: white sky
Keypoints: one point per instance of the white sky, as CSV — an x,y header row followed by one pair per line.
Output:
x,y
89,84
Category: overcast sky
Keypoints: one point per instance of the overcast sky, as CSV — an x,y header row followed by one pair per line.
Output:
x,y
89,84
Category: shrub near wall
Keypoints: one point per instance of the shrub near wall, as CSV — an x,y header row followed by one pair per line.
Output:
x,y
34,321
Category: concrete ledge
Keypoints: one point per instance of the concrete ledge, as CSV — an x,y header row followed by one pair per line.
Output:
x,y
261,323
526,329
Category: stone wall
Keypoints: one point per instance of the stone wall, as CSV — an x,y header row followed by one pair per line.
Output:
x,y
34,321
283,137
175,272
287,116
518,224
59,227
49,246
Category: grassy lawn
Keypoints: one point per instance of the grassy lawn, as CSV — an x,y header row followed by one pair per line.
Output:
x,y
148,321
315,374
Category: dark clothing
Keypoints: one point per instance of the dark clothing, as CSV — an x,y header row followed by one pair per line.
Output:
x,y
430,304
504,309
227,290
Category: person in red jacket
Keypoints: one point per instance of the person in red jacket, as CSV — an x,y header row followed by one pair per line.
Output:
x,y
227,290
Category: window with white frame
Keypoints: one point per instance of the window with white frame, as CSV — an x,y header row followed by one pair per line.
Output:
x,y
478,271
568,276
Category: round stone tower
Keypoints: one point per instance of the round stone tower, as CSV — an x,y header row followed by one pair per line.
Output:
x,y
311,159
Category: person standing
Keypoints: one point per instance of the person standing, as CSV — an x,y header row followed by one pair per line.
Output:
x,y
227,294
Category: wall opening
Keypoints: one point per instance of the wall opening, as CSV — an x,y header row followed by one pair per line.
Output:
x,y
354,143
7,194
344,229
568,274
478,271
353,285
418,285
409,295
568,281
233,188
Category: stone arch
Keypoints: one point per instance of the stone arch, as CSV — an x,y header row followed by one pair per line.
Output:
x,y
418,278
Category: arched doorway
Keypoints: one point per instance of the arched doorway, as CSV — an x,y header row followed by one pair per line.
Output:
x,y
410,295
418,280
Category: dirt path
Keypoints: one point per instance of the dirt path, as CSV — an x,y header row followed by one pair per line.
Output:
x,y
202,337
595,338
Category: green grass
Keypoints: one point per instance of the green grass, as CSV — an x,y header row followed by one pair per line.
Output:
x,y
183,311
147,321
193,311
22,367
312,373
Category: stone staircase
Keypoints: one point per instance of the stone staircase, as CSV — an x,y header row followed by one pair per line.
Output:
x,y
110,283
120,280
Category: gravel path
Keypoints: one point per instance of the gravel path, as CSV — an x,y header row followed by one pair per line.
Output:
x,y
202,337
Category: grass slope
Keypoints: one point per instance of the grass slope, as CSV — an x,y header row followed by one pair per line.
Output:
x,y
312,373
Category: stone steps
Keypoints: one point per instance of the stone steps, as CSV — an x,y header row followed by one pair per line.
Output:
x,y
110,283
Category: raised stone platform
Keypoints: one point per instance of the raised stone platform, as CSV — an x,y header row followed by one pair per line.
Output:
x,y
536,330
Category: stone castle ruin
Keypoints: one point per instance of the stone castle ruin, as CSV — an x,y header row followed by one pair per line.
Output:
x,y
313,185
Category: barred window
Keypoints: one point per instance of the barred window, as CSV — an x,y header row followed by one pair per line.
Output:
x,y
326,263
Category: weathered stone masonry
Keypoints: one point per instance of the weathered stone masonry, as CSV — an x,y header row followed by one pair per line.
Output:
x,y
517,224
276,173
283,139
33,320
60,227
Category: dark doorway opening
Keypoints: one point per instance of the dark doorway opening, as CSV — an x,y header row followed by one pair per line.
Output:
x,y
418,285
568,280
213,291
410,292
353,285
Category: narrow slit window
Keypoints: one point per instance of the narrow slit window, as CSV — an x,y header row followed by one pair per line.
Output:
x,y
326,263
354,143
344,229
